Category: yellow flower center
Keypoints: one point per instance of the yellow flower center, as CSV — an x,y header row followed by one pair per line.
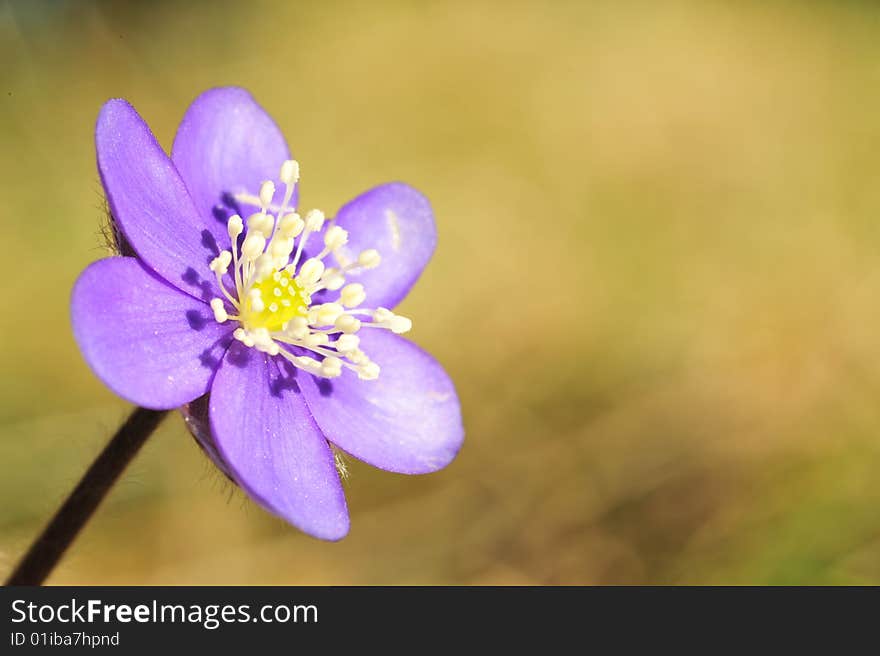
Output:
x,y
281,298
271,289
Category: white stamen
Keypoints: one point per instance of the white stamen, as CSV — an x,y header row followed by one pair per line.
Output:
x,y
331,367
369,259
234,226
220,264
327,313
348,324
260,222
332,279
368,371
358,357
220,314
308,364
400,325
289,172
271,293
316,339
310,271
267,192
314,220
298,328
253,245
291,225
346,343
280,249
382,315
335,237
352,295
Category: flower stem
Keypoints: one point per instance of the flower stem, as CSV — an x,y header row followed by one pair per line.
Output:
x,y
49,547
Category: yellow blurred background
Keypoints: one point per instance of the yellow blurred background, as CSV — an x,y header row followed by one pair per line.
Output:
x,y
657,285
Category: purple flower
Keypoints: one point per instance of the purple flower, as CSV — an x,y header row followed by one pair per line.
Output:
x,y
234,294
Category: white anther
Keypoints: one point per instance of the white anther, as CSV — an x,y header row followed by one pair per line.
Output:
x,y
253,245
332,279
220,314
357,357
310,271
400,325
335,237
263,340
220,264
280,249
291,225
308,364
243,336
316,339
346,343
269,347
289,172
314,220
326,314
261,222
347,324
234,226
369,259
298,328
267,192
331,367
382,315
352,295
368,371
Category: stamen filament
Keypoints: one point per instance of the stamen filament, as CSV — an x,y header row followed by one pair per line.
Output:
x,y
273,291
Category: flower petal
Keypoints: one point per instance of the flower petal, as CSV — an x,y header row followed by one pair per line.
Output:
x,y
147,341
227,144
150,202
396,220
407,421
264,432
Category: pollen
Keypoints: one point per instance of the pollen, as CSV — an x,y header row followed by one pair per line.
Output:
x,y
270,286
263,309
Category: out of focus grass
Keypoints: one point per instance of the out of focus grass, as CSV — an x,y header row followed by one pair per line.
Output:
x,y
657,285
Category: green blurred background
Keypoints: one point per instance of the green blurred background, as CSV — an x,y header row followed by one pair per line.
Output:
x,y
657,284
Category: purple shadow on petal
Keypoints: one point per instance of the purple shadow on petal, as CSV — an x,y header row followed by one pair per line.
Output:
x,y
145,339
213,354
210,243
270,443
196,320
407,421
227,206
324,385
286,379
